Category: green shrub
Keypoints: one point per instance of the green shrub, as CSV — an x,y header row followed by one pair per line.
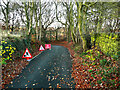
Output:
x,y
20,45
6,51
93,38
108,43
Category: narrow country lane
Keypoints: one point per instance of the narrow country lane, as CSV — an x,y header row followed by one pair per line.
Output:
x,y
50,69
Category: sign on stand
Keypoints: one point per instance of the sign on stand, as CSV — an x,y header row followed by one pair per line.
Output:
x,y
41,48
48,46
27,54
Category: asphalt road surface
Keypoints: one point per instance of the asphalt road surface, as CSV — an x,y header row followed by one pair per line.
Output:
x,y
50,69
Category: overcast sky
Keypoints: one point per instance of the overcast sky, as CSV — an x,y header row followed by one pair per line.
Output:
x,y
55,24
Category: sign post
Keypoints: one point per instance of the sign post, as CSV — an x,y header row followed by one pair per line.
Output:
x,y
27,54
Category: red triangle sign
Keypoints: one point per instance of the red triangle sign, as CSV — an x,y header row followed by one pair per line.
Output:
x,y
41,48
27,54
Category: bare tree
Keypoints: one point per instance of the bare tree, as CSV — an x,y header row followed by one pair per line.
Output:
x,y
5,11
47,17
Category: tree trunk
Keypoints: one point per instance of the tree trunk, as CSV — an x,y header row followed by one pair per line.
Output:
x,y
71,22
80,26
40,24
56,34
69,34
36,21
27,17
31,17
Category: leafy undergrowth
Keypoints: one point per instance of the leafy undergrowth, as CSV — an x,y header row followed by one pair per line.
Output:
x,y
93,69
14,68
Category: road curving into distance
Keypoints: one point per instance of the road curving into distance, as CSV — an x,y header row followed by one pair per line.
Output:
x,y
50,69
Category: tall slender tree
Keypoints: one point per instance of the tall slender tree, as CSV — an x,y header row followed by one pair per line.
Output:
x,y
6,12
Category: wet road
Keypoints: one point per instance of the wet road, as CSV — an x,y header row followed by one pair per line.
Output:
x,y
50,69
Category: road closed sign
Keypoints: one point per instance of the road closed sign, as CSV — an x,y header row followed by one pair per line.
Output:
x,y
27,54
48,46
41,48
